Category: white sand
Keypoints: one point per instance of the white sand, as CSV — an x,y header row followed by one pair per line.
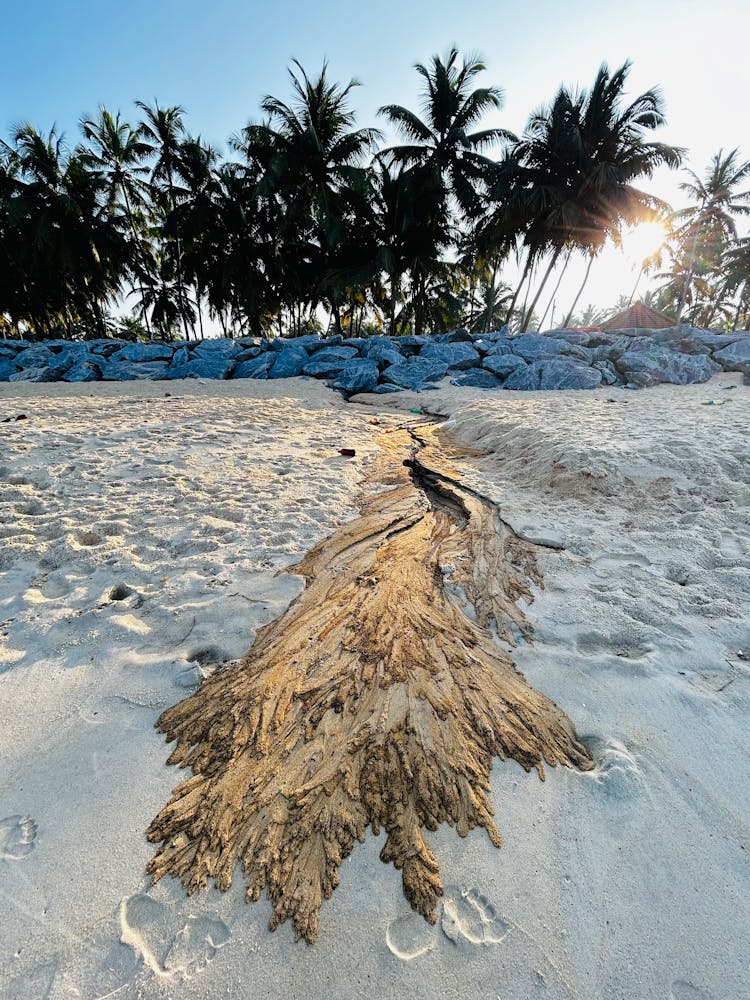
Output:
x,y
631,882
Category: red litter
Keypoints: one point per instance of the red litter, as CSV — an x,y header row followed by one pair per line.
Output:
x,y
349,452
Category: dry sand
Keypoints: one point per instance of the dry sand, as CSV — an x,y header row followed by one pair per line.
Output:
x,y
140,536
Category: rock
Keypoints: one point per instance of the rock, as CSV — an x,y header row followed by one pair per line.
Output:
x,y
217,367
503,364
324,369
358,343
249,352
383,350
682,339
143,352
218,347
82,371
342,353
746,374
180,357
415,372
565,374
478,378
732,358
454,337
536,347
409,345
609,372
7,368
50,373
135,371
717,341
358,375
387,387
255,368
644,368
9,349
288,363
455,356
106,347
577,351
37,356
502,345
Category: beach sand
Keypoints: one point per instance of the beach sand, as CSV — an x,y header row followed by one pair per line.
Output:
x,y
140,538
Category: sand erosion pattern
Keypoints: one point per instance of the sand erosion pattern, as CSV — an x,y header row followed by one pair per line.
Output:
x,y
374,700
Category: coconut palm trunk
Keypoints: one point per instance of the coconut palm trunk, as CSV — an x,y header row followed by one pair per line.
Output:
x,y
545,278
580,290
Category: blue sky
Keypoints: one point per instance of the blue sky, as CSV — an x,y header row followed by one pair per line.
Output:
x,y
61,59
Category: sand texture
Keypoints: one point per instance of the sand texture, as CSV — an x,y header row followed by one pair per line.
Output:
x,y
142,537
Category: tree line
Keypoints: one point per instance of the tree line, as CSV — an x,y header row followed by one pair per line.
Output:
x,y
311,220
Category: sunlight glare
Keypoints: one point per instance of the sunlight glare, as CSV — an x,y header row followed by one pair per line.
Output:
x,y
642,241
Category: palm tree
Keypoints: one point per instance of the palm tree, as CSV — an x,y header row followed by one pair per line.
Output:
x,y
710,223
442,141
117,152
163,128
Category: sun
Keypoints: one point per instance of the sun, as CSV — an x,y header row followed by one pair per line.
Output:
x,y
643,240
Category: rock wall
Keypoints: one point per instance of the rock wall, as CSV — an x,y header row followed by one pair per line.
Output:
x,y
560,359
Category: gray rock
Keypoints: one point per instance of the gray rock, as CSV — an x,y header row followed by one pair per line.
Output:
x,y
143,352
136,371
358,343
502,345
503,364
249,352
565,374
644,368
218,367
7,368
408,345
609,372
477,378
255,368
383,350
82,371
717,341
732,358
536,347
454,355
37,356
324,369
386,387
220,348
746,374
580,353
358,375
288,363
180,357
413,373
49,373
454,337
342,353
106,347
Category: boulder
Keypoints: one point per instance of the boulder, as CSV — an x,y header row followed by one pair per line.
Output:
x,y
566,374
536,347
413,373
49,373
106,347
144,352
358,343
180,357
324,369
385,387
342,353
255,368
503,364
358,375
82,371
218,347
525,378
7,368
249,352
218,367
384,351
37,356
477,378
135,371
288,363
644,368
454,355
408,345
609,372
501,345
454,337
732,358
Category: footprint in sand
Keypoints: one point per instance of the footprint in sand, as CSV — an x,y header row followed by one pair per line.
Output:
x,y
617,771
410,936
469,915
17,837
169,943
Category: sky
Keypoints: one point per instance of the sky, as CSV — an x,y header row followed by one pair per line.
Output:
x,y
61,59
